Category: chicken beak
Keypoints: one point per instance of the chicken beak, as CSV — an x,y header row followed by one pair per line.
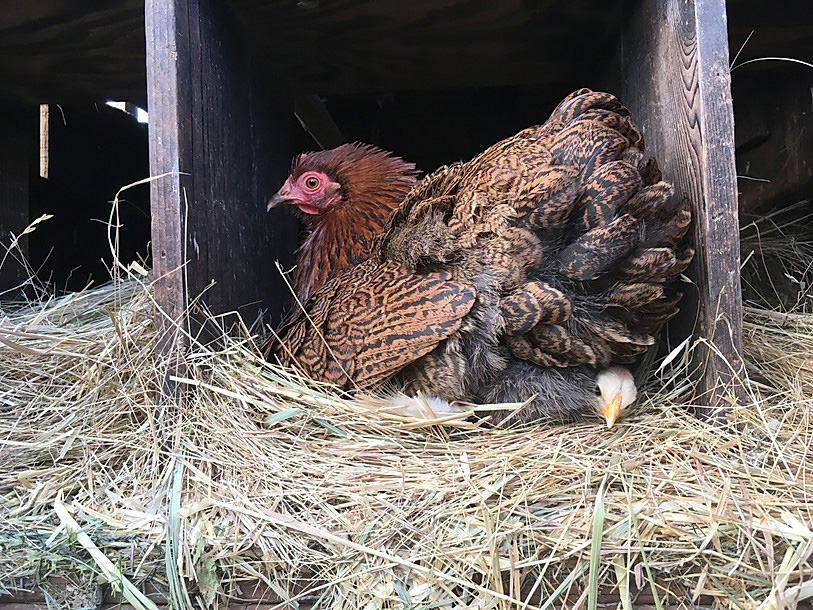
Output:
x,y
611,411
276,201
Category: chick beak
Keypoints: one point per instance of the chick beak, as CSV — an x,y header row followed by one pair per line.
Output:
x,y
276,201
611,411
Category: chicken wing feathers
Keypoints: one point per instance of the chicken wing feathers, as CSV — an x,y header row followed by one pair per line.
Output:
x,y
370,322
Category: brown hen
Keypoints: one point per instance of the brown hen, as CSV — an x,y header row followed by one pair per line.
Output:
x,y
320,186
527,270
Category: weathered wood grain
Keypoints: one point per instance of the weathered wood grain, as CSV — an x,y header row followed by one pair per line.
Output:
x,y
674,61
19,128
227,146
169,87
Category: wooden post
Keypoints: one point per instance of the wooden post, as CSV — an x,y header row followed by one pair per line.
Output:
x,y
676,82
45,138
19,131
227,147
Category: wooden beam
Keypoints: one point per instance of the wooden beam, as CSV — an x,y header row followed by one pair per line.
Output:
x,y
256,595
45,135
316,120
227,145
674,62
169,86
19,131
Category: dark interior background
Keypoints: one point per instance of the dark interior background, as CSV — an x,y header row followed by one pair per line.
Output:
x,y
95,150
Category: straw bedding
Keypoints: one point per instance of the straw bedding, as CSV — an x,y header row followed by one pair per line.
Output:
x,y
248,475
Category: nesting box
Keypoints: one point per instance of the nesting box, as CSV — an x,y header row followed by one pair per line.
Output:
x,y
433,80
222,80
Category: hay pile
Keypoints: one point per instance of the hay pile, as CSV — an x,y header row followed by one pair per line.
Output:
x,y
250,477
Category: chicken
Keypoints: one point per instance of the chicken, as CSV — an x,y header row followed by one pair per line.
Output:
x,y
562,394
319,186
532,269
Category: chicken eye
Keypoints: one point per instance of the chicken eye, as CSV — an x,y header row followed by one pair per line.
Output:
x,y
597,390
312,182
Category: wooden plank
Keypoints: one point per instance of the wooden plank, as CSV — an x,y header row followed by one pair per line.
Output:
x,y
169,86
674,61
19,132
260,596
227,145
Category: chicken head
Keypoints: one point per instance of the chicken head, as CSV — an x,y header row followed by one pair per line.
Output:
x,y
313,192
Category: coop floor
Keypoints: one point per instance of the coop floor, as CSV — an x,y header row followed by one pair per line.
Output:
x,y
217,476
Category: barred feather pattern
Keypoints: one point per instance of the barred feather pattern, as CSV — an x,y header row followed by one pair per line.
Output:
x,y
556,248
